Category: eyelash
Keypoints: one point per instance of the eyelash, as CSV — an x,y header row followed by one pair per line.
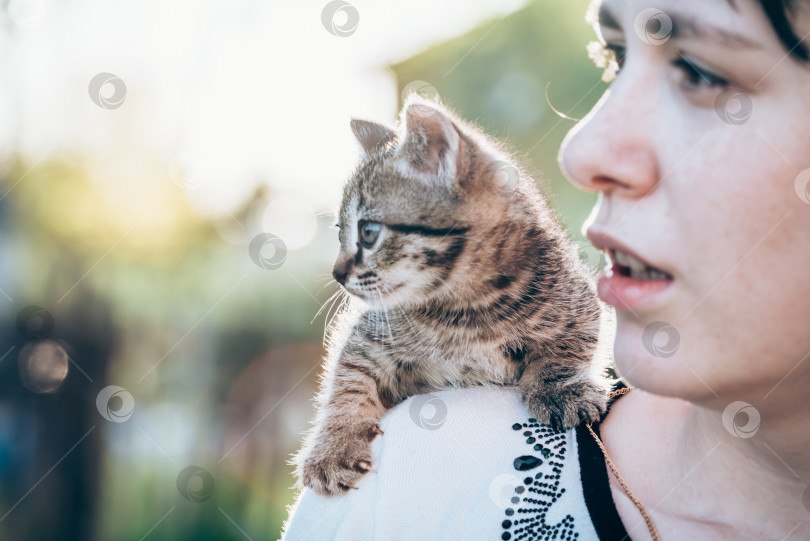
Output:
x,y
702,76
611,56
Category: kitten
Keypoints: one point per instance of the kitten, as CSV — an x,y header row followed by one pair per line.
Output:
x,y
465,277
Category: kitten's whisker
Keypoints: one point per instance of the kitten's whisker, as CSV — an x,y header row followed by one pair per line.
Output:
x,y
379,326
330,282
343,302
327,319
336,297
385,313
401,309
377,319
335,294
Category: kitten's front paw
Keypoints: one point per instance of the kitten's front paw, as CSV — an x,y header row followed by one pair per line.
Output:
x,y
566,406
341,456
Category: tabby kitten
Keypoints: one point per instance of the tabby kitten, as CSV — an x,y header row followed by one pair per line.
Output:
x,y
457,279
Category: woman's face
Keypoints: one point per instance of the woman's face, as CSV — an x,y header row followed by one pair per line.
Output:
x,y
700,152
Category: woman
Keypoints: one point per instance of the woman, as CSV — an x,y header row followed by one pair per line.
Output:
x,y
700,153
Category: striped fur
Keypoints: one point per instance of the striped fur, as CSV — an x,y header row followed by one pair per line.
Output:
x,y
467,284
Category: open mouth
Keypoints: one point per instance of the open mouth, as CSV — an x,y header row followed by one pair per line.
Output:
x,y
625,264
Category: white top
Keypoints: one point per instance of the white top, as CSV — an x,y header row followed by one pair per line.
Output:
x,y
468,464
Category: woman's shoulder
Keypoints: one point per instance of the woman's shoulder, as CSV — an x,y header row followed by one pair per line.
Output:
x,y
472,464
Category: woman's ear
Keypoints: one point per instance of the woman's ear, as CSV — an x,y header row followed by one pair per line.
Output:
x,y
372,136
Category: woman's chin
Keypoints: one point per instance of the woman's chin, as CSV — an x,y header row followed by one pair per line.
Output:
x,y
660,371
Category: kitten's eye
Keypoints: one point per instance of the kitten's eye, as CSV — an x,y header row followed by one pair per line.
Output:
x,y
369,232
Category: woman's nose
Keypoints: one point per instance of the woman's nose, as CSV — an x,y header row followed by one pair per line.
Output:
x,y
611,150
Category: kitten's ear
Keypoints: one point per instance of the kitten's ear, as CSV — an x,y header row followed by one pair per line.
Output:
x,y
430,145
372,136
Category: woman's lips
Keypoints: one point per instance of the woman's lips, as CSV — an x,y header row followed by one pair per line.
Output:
x,y
625,293
615,286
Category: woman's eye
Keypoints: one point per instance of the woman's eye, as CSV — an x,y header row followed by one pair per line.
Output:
x,y
611,57
696,77
369,232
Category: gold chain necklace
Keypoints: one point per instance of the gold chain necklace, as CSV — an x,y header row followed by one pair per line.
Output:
x,y
636,501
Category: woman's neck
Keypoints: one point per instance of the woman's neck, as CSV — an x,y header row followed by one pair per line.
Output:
x,y
696,476
764,474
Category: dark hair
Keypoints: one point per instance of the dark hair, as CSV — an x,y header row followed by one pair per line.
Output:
x,y
779,13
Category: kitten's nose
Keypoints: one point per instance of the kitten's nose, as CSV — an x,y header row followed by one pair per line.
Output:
x,y
341,270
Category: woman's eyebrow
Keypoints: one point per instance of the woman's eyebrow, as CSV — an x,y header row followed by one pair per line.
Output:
x,y
687,26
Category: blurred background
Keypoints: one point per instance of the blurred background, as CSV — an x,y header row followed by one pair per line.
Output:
x,y
168,172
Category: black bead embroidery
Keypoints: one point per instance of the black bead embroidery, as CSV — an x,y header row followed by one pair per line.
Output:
x,y
527,462
528,517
